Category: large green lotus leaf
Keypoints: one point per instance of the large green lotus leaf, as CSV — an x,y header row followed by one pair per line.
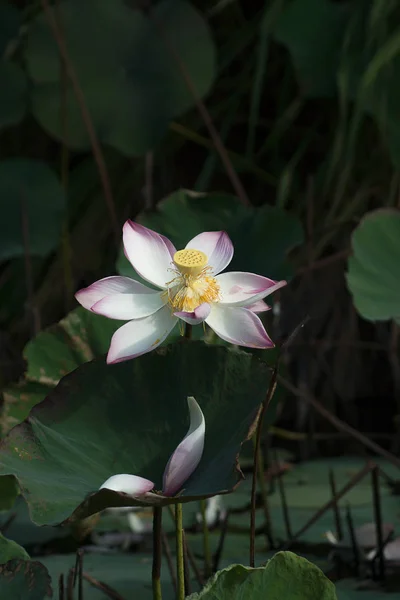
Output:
x,y
24,580
313,31
131,82
31,188
10,550
128,418
286,576
76,339
373,274
8,492
14,97
9,24
261,236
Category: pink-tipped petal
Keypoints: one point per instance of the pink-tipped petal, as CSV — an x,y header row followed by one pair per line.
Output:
x,y
239,326
259,307
199,314
140,336
244,289
217,246
128,306
88,296
187,455
149,253
128,484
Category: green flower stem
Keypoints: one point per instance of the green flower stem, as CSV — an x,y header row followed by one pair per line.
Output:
x,y
206,540
157,550
264,406
180,563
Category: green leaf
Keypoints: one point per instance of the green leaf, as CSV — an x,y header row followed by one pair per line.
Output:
x,y
13,103
132,85
10,550
29,192
373,270
286,576
24,579
261,236
9,24
313,31
8,492
76,339
128,418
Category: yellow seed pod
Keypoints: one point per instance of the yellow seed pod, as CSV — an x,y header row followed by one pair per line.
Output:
x,y
190,262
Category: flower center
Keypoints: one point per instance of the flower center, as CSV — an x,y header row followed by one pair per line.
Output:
x,y
190,262
193,283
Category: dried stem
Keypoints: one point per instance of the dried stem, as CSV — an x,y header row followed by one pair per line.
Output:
x,y
321,511
264,406
157,552
336,422
205,115
168,556
86,117
206,540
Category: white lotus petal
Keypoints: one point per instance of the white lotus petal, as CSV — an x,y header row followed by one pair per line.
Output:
x,y
196,317
128,484
128,306
141,335
217,246
244,289
187,455
239,326
115,284
149,253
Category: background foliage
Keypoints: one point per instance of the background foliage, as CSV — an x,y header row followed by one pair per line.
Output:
x,y
276,120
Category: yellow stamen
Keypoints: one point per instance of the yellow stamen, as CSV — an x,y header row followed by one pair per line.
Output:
x,y
193,283
190,262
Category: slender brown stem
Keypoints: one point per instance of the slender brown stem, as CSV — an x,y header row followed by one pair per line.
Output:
x,y
193,563
335,506
320,512
264,406
206,540
86,117
378,521
353,540
100,585
157,553
61,588
336,422
205,115
168,556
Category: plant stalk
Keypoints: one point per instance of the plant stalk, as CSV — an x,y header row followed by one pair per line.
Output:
x,y
264,406
180,561
157,552
206,540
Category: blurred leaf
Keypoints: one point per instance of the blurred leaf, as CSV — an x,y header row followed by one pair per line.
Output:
x,y
261,236
286,576
30,188
373,277
10,550
132,85
8,492
312,31
25,579
127,574
76,339
140,414
14,102
9,24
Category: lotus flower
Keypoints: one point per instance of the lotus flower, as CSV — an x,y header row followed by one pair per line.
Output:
x,y
191,288
181,465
